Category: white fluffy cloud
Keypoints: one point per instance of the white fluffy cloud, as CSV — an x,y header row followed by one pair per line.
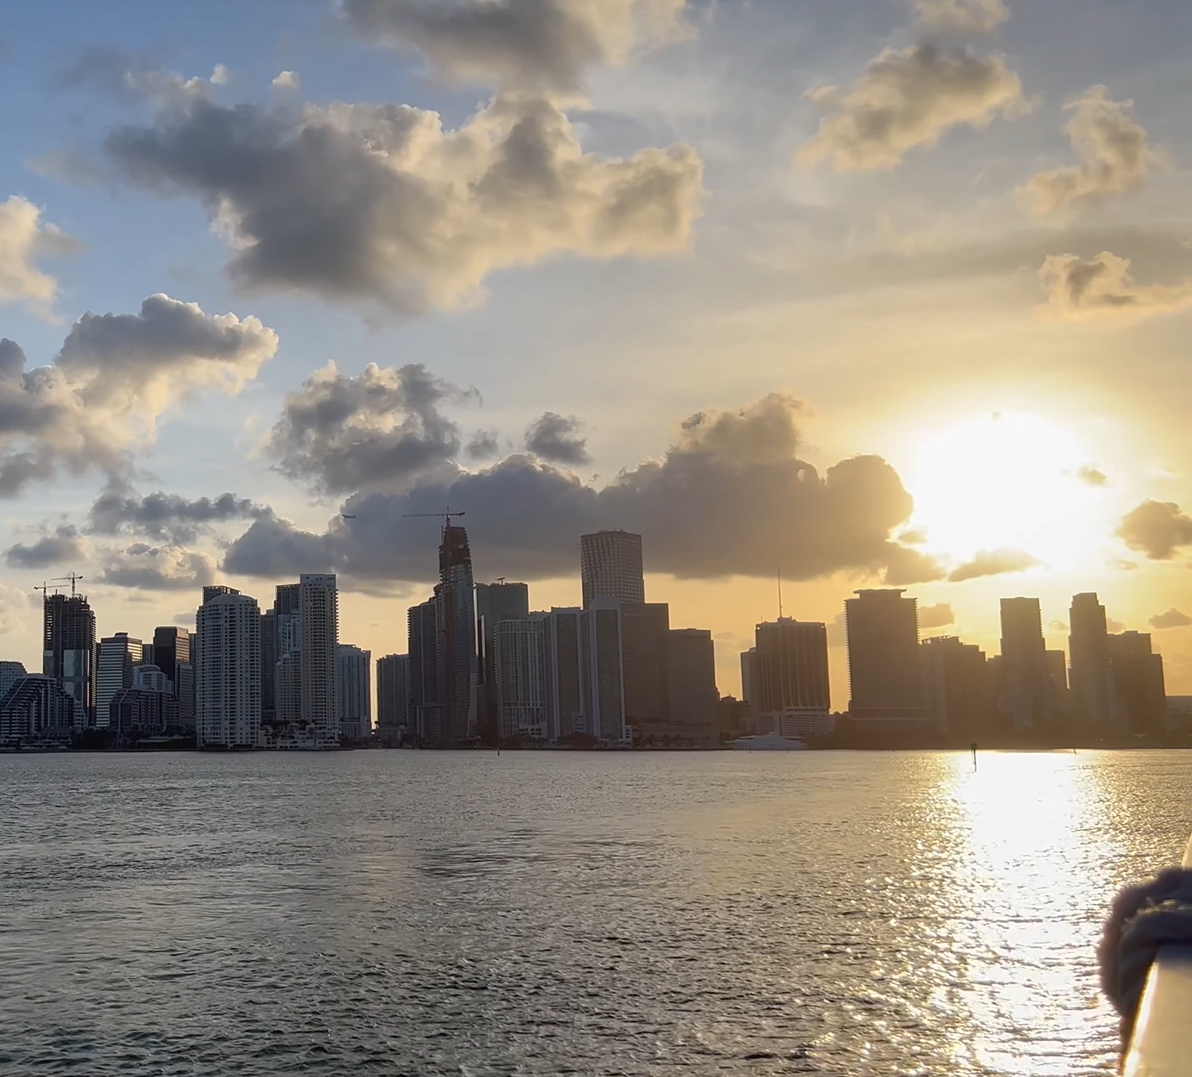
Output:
x,y
966,16
906,99
1101,288
1115,155
25,237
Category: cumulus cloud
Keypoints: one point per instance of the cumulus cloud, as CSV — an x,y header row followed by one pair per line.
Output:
x,y
1173,618
483,445
136,77
938,616
25,237
380,203
1157,529
537,45
906,99
557,439
966,16
382,427
1114,157
1102,288
158,568
729,497
61,545
1092,476
994,563
286,80
113,379
166,516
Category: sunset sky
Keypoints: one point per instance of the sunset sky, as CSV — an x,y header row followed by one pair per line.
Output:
x,y
869,292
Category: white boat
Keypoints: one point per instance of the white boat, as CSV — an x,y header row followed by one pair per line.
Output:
x,y
767,742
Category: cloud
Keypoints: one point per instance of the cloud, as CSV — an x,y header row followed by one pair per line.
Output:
x,y
994,563
938,616
966,16
384,426
1173,618
536,45
379,203
219,75
166,516
1157,529
1114,157
557,439
25,237
1091,476
62,545
158,568
1102,288
483,445
905,567
136,77
906,99
113,379
728,497
838,631
1114,626
1058,626
287,80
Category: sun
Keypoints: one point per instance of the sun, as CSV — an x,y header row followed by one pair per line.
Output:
x,y
1008,480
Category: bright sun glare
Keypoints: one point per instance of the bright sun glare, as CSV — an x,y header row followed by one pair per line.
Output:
x,y
1007,481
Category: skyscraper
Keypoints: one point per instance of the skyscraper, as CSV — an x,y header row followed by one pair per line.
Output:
x,y
393,692
565,669
117,656
1139,691
691,684
610,565
228,686
518,660
749,675
604,672
69,649
645,632
172,655
1088,648
354,689
958,691
790,671
495,602
269,667
455,609
883,656
1028,700
425,706
214,590
318,610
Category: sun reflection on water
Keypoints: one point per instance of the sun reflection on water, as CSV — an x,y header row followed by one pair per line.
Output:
x,y
1029,883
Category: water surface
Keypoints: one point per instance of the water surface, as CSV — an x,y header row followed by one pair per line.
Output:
x,y
569,913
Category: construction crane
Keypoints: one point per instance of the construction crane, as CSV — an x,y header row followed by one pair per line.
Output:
x,y
445,515
44,588
73,577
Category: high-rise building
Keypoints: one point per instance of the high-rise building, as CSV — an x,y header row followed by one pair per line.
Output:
x,y
565,670
495,602
455,609
610,565
393,693
287,692
287,598
518,660
172,655
318,609
228,686
10,673
1057,677
885,682
354,688
645,632
214,590
957,689
38,711
748,675
1139,691
117,656
150,678
425,701
69,649
1028,698
604,672
789,672
691,684
1092,681
269,667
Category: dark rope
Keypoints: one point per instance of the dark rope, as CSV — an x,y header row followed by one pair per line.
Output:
x,y
1143,919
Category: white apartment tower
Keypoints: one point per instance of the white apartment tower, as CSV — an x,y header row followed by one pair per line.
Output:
x,y
228,676
318,604
518,658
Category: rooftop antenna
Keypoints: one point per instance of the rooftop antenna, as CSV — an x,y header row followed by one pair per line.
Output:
x,y
780,592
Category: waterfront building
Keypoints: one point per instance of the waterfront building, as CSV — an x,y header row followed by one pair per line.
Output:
x,y
228,687
354,688
519,666
1139,690
425,707
691,685
214,590
645,633
37,711
604,672
1027,695
10,673
885,682
172,655
957,690
139,713
117,656
1092,678
565,671
269,658
611,567
788,669
287,697
393,694
318,612
495,602
748,675
69,649
455,630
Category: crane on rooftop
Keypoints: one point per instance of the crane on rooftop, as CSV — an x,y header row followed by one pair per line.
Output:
x,y
73,577
445,516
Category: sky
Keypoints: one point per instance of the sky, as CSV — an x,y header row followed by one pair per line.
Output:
x,y
862,294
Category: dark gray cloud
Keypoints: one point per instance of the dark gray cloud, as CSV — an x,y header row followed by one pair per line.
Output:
x,y
994,563
379,203
1156,528
528,44
728,498
60,546
1173,618
158,568
557,439
905,99
381,427
114,378
1102,287
937,616
483,445
166,516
